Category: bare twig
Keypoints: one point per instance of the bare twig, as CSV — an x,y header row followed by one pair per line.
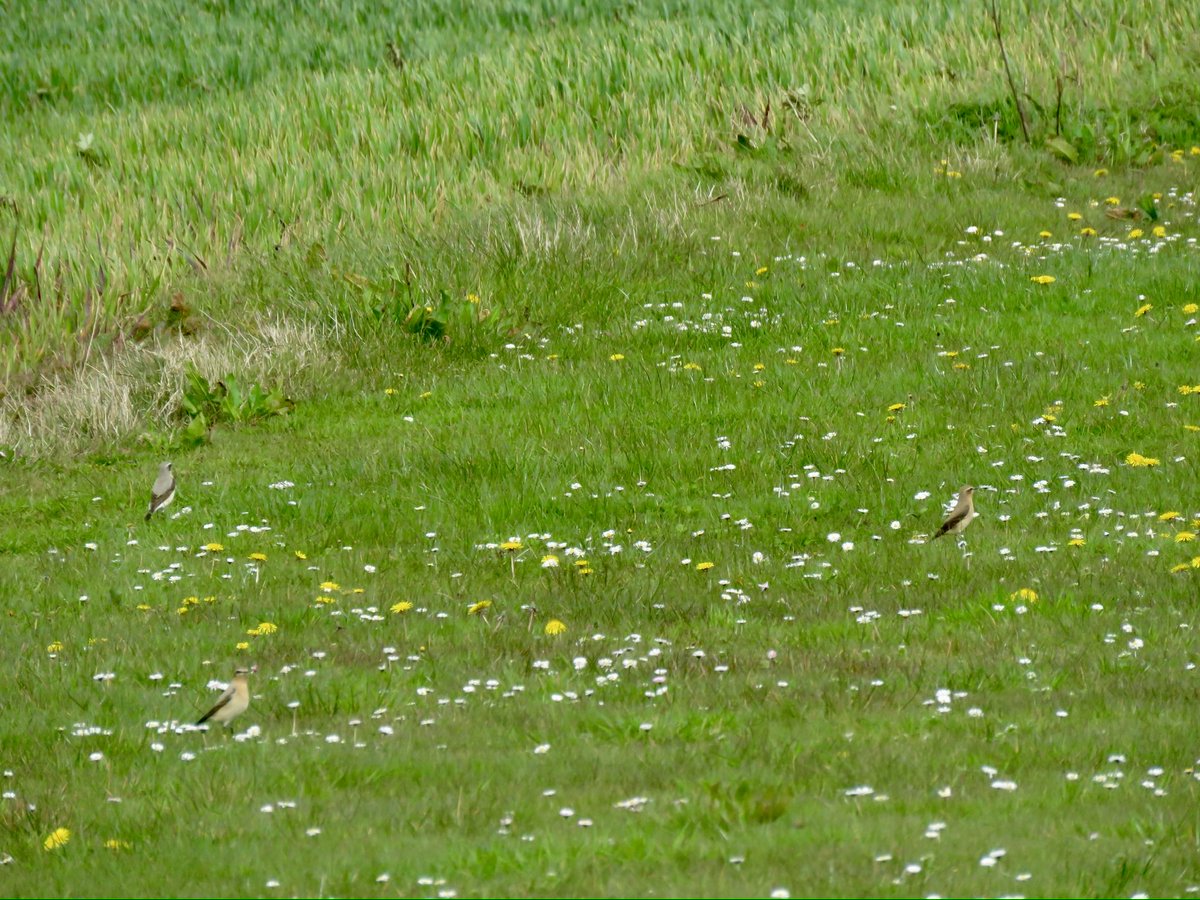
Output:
x,y
8,277
1012,86
1059,84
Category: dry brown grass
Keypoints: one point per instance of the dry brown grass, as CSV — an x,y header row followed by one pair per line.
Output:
x,y
138,389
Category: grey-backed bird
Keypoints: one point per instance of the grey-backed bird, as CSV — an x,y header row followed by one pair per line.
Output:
x,y
163,491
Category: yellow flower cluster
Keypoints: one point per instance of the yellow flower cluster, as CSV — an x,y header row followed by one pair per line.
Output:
x,y
1140,462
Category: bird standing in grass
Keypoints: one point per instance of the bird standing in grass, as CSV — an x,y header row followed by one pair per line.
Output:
x,y
962,514
233,701
163,491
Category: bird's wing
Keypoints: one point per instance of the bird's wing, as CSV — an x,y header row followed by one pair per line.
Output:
x,y
221,702
159,493
955,517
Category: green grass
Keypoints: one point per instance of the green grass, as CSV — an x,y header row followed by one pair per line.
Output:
x,y
687,349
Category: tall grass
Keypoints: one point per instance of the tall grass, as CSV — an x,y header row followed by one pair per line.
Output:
x,y
147,142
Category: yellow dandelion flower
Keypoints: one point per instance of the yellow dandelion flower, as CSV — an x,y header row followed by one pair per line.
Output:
x,y
1112,201
554,626
510,546
1168,515
961,365
549,561
1196,562
389,391
1028,595
214,547
1139,385
267,628
951,173
1192,427
329,585
838,351
1076,542
182,610
1045,234
1137,461
1182,567
300,554
758,367
757,383
1184,536
704,566
1190,309
1088,231
761,270
617,357
1103,401
1186,389
896,407
691,367
258,557
473,298
143,606
1135,233
1074,216
1100,173
476,608
54,647
242,645
57,838
790,361
1042,279
584,570
401,607
114,844
1195,151
1158,231
426,395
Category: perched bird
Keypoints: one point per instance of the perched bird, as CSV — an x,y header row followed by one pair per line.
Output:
x,y
962,514
163,491
233,702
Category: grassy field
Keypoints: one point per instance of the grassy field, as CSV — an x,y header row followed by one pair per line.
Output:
x,y
617,363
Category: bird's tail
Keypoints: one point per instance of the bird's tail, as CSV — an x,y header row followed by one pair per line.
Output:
x,y
204,718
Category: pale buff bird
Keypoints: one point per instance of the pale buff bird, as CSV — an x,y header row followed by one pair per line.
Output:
x,y
233,701
962,514
163,491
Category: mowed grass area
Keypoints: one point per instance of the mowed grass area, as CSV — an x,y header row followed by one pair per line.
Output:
x,y
625,588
